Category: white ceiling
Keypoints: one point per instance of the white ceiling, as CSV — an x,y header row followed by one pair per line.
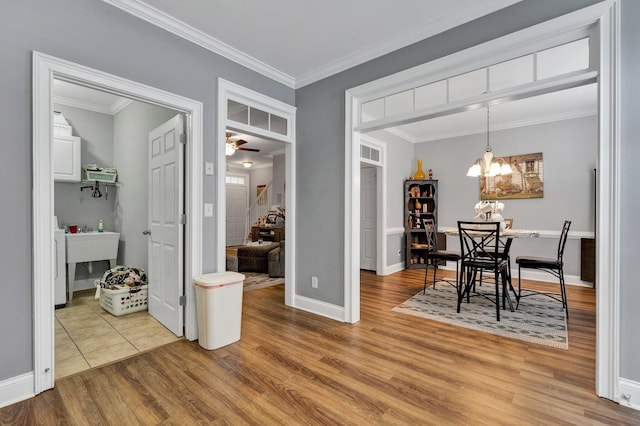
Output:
x,y
299,42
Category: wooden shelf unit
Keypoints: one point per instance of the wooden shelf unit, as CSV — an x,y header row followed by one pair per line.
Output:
x,y
420,202
267,233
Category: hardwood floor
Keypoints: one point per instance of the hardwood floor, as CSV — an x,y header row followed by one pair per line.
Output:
x,y
291,367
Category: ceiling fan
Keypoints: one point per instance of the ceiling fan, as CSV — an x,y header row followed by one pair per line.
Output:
x,y
233,146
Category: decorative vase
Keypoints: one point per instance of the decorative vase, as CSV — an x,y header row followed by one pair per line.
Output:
x,y
420,173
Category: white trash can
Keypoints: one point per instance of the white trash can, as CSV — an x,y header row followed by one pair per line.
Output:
x,y
219,307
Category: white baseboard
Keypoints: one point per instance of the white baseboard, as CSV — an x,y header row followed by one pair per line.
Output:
x,y
392,269
319,308
17,389
629,393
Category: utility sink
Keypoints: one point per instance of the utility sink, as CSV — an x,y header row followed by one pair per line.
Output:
x,y
90,246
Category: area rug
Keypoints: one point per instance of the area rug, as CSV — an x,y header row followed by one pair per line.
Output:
x,y
256,280
538,319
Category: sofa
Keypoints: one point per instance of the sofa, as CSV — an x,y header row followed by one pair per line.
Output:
x,y
275,261
254,258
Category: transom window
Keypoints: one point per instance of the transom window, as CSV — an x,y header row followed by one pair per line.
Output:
x,y
523,71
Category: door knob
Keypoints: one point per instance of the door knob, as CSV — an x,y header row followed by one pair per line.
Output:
x,y
146,232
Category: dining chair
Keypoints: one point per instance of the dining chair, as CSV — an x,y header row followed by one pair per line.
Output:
x,y
434,255
547,264
479,250
504,252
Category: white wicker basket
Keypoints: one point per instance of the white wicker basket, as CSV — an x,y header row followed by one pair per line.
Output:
x,y
125,299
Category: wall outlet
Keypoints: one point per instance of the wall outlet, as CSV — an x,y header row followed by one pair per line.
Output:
x,y
208,169
314,282
208,210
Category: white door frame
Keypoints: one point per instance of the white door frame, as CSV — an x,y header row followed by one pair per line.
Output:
x,y
228,90
606,15
45,69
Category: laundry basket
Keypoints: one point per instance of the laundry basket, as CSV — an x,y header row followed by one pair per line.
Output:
x,y
123,290
124,299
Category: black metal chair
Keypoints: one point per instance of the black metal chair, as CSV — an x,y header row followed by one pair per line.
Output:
x,y
504,252
434,255
480,248
553,266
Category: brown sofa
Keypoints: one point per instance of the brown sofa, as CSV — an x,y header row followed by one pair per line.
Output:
x,y
254,258
275,259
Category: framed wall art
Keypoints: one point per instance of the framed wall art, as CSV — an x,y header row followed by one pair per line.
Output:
x,y
526,181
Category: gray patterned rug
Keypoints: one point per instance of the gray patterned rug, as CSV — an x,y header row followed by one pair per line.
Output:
x,y
256,280
538,319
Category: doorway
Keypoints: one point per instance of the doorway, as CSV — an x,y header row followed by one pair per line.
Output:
x,y
111,131
368,218
46,69
598,20
252,113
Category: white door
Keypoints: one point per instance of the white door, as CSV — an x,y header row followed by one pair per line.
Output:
x,y
166,234
236,214
368,244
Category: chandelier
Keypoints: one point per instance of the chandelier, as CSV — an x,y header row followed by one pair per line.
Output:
x,y
485,166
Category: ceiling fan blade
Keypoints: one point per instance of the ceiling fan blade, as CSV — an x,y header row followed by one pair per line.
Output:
x,y
240,142
248,149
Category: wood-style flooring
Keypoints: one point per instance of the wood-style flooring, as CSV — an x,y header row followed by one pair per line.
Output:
x,y
291,367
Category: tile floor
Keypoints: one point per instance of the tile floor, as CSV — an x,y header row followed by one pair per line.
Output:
x,y
87,336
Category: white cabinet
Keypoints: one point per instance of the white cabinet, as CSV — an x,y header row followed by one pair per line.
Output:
x,y
66,159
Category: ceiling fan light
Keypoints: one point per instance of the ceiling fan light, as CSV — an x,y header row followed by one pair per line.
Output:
x,y
229,149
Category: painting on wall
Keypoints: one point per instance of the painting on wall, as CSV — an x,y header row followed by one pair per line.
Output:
x,y
526,181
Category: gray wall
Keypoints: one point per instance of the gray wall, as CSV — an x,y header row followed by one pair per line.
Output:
x,y
630,193
73,206
260,176
279,177
569,149
97,35
399,166
320,137
131,128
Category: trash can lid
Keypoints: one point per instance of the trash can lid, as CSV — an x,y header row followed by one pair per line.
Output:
x,y
218,279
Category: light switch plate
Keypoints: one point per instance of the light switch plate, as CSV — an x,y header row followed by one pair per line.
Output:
x,y
208,210
208,169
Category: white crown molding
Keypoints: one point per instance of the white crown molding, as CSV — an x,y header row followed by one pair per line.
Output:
x,y
76,103
156,17
569,115
119,105
113,109
187,32
406,38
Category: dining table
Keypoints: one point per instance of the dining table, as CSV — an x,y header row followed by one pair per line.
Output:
x,y
506,235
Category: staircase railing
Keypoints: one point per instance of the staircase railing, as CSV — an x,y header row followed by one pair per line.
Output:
x,y
258,208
